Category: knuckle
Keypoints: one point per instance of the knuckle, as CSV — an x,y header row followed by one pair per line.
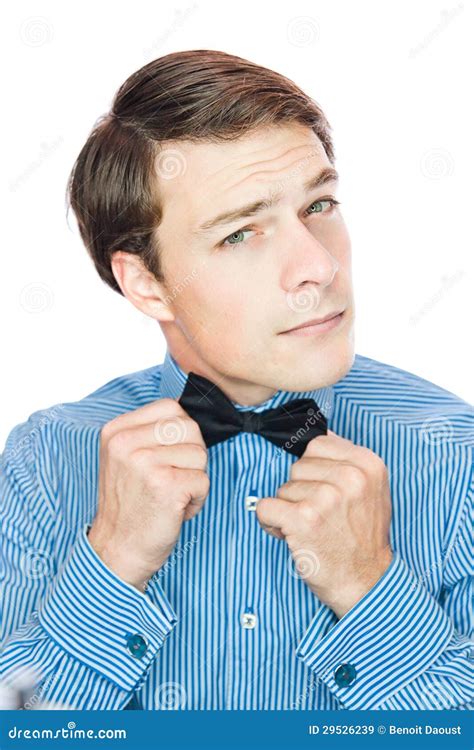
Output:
x,y
165,474
329,495
355,478
117,443
170,405
140,458
206,483
298,469
107,430
308,512
201,454
380,465
166,402
372,459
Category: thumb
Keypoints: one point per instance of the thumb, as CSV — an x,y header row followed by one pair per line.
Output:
x,y
273,515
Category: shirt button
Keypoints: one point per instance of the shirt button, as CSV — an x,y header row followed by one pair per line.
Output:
x,y
345,675
137,645
251,502
248,620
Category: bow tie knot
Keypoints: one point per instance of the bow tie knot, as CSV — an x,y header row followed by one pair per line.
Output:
x,y
251,421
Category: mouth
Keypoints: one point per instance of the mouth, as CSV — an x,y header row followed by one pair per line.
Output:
x,y
315,326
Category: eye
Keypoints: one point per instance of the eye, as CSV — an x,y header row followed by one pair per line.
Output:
x,y
332,202
234,237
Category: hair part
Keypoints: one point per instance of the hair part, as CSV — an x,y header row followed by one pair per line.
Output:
x,y
196,96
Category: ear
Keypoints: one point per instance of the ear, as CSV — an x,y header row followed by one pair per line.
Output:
x,y
140,286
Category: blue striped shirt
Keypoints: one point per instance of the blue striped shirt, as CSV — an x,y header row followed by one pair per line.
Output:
x,y
227,622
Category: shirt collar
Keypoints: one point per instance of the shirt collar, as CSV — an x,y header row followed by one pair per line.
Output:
x,y
173,380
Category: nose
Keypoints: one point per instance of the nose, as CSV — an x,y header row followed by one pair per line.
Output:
x,y
306,262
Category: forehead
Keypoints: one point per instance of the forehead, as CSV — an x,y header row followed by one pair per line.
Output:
x,y
204,176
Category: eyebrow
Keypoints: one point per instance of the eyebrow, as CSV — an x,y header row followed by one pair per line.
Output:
x,y
329,174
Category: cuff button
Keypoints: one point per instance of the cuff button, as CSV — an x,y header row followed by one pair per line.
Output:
x,y
345,675
137,645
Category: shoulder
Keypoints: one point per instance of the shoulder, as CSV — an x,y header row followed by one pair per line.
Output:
x,y
402,398
73,421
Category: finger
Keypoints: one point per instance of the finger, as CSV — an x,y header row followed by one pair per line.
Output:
x,y
162,408
171,432
330,446
272,531
275,513
298,490
316,468
196,483
184,456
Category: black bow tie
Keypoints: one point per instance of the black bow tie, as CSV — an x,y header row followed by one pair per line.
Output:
x,y
290,426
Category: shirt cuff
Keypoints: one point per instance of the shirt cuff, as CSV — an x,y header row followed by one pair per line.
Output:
x,y
102,620
393,634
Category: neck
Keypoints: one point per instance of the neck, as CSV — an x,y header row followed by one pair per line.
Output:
x,y
239,391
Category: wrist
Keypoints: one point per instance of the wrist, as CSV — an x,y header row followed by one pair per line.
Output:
x,y
359,587
119,561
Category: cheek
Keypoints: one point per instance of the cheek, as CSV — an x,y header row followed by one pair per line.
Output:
x,y
342,244
335,236
212,304
224,296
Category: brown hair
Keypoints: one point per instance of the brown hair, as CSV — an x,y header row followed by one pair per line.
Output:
x,y
195,95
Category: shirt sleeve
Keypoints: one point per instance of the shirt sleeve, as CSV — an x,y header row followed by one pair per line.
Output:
x,y
88,636
399,647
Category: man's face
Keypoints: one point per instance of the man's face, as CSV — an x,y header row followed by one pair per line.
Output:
x,y
235,287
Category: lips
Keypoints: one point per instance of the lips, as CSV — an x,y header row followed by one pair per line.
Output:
x,y
315,321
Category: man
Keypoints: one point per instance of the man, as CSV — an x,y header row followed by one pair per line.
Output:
x,y
266,520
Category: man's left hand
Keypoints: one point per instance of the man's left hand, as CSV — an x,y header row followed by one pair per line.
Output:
x,y
334,513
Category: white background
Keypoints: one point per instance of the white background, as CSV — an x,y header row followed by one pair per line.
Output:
x,y
394,82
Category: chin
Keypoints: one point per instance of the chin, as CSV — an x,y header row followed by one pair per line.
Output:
x,y
320,370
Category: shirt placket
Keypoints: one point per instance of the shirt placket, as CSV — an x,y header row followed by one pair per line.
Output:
x,y
243,610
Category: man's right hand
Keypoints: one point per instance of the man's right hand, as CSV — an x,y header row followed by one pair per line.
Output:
x,y
152,478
